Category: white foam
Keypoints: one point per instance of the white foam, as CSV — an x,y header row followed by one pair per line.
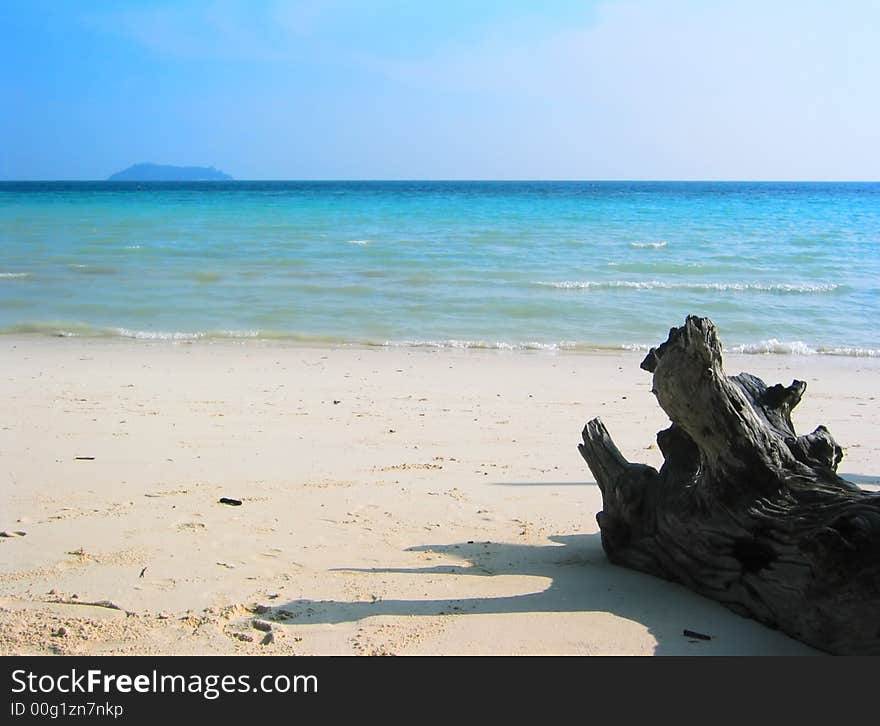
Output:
x,y
178,335
14,275
661,285
764,347
157,335
798,347
480,345
772,345
652,245
851,352
358,241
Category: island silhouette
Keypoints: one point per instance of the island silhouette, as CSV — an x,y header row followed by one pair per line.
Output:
x,y
165,172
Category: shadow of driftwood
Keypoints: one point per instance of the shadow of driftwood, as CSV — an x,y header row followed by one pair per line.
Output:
x,y
581,580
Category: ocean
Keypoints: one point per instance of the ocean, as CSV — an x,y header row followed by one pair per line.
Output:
x,y
780,267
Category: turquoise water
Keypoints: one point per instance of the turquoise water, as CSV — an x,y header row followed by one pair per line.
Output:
x,y
779,267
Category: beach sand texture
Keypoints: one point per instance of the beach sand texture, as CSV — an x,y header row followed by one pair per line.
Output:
x,y
394,501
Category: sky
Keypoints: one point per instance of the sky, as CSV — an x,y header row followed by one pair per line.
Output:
x,y
443,89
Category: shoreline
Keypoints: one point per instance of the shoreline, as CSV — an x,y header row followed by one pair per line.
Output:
x,y
395,500
770,348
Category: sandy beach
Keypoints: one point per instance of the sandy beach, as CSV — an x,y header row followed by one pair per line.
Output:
x,y
393,501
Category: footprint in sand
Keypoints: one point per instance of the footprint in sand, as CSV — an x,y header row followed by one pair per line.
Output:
x,y
191,527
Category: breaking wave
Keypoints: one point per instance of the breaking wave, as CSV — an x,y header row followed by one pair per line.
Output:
x,y
798,347
707,286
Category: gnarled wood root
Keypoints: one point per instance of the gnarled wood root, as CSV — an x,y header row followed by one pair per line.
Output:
x,y
743,511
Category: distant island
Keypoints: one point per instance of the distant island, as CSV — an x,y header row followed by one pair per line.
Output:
x,y
164,172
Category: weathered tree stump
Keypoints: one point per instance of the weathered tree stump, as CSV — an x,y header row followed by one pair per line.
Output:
x,y
743,511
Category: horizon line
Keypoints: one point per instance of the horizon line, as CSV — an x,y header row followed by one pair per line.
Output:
x,y
450,179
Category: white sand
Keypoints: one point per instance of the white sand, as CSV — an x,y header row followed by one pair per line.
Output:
x,y
440,506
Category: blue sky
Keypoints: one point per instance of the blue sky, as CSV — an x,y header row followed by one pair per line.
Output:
x,y
451,89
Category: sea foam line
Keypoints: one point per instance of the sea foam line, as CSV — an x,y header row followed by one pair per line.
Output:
x,y
653,245
764,347
177,335
14,275
456,344
798,347
79,330
715,286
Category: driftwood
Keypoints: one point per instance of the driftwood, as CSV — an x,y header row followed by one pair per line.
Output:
x,y
743,511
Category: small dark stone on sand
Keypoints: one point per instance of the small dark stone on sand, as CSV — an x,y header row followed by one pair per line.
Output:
x,y
230,502
694,634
